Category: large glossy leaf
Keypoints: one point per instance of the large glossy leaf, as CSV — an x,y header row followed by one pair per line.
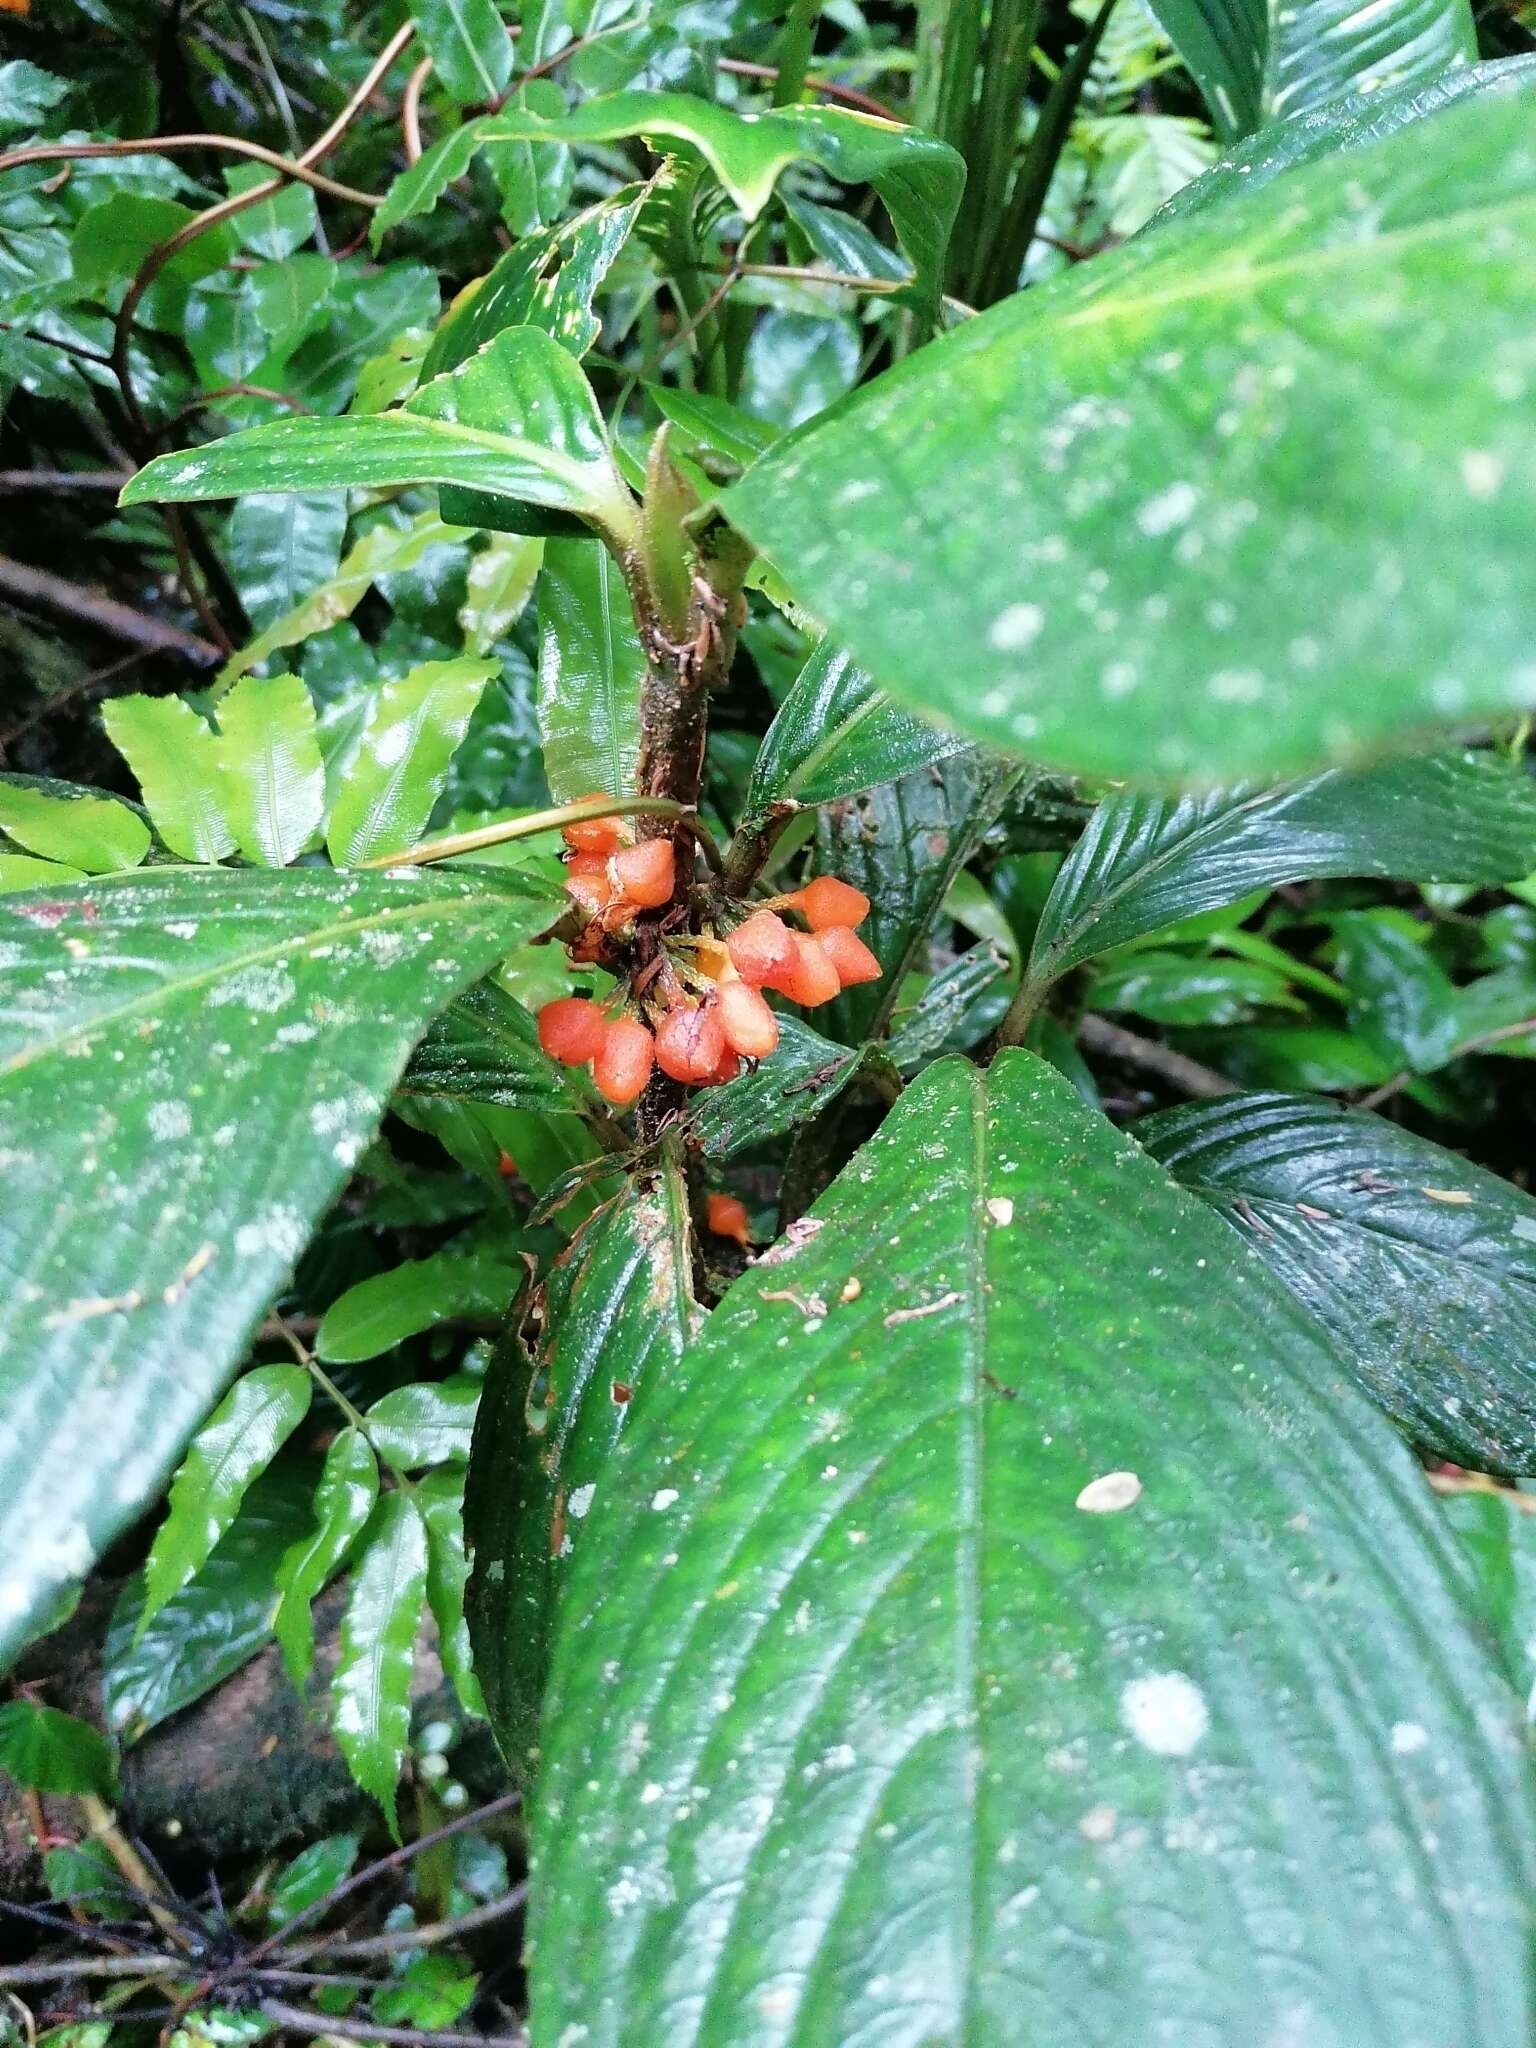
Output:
x,y
1020,532
283,548
414,726
518,420
1345,124
1039,1639
190,1062
918,179
1145,861
615,1310
591,669
232,1449
1421,1266
1257,64
372,1685
836,734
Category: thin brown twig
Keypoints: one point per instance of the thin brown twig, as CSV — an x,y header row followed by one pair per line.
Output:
x,y
172,145
93,680
63,479
50,593
316,2023
204,399
410,110
828,88
399,1939
1500,1033
1160,1062
1480,1482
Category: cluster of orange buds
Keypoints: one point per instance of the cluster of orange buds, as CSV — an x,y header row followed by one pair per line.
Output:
x,y
706,1012
611,878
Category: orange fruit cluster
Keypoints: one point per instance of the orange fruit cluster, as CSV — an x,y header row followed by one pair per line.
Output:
x,y
710,1016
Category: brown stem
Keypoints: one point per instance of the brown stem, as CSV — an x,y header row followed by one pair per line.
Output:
x,y
299,2021
171,145
52,593
63,479
1145,1056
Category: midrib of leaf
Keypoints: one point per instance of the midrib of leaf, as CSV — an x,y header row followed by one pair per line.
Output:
x,y
455,9
1463,228
579,475
377,816
837,737
173,991
376,1648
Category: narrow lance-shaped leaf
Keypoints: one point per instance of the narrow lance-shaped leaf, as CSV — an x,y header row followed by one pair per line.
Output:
x,y
518,421
1146,861
344,1499
176,757
237,1443
1054,1628
1258,64
1420,1266
615,1310
274,780
440,1496
397,774
591,669
1017,532
95,834
371,1717
387,1308
213,1053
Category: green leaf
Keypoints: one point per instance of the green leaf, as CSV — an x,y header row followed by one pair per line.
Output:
x,y
614,1311
214,1625
903,843
273,779
518,420
383,551
313,1873
1498,1531
485,1048
918,179
769,1100
427,1423
1401,1000
277,226
344,1500
710,422
190,1063
547,280
946,1002
836,734
1145,862
1420,1266
283,548
371,1717
1347,124
237,1443
469,46
1256,64
440,1496
19,872
398,772
862,1644
383,1311
114,236
1184,989
1018,532
591,669
46,1751
432,1991
175,756
93,834
498,585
